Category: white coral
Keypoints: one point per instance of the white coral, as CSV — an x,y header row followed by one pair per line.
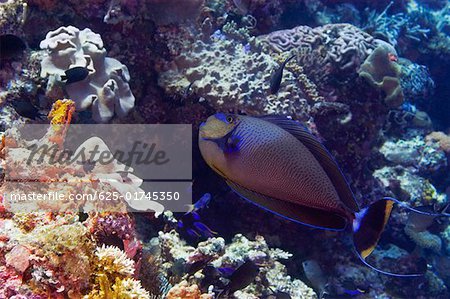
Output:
x,y
130,288
114,261
105,89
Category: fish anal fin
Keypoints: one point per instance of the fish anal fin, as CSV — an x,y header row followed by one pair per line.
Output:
x,y
322,155
305,215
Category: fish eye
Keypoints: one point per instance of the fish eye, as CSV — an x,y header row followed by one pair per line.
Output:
x,y
230,119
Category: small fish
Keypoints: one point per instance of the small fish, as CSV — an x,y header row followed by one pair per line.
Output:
x,y
75,74
316,277
425,217
203,202
241,278
187,91
275,81
27,109
355,292
277,164
11,46
191,224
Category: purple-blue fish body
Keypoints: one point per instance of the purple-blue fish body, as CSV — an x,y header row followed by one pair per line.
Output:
x,y
262,157
277,164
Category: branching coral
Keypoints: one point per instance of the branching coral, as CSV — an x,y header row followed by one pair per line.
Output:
x,y
106,87
113,262
113,272
394,27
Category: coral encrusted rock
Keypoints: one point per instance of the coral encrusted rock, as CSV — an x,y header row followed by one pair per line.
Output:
x,y
105,89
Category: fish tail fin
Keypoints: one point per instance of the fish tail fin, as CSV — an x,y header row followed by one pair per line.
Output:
x,y
191,209
368,226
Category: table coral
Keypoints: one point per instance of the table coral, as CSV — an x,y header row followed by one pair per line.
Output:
x,y
105,89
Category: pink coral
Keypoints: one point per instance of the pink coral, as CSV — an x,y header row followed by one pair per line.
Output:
x,y
18,258
185,291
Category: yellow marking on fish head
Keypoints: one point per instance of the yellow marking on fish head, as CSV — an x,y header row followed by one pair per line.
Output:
x,y
217,126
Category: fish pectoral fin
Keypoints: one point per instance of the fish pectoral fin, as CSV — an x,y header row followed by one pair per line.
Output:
x,y
322,155
302,214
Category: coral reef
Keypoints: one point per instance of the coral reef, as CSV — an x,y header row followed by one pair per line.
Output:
x,y
177,255
106,87
442,140
326,52
243,86
370,79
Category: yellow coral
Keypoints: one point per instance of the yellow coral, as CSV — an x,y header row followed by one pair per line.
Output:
x,y
60,117
112,261
127,288
62,111
112,276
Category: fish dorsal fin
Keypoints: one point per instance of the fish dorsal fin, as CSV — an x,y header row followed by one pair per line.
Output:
x,y
322,155
305,215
